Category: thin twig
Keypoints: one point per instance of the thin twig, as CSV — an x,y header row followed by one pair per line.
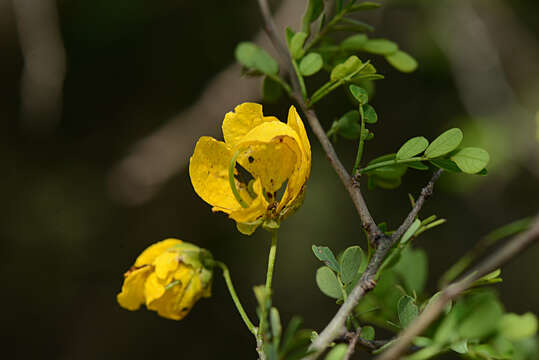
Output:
x,y
354,337
511,249
382,242
425,193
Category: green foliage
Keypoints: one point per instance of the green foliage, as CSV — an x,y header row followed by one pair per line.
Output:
x,y
407,310
360,94
402,61
412,147
324,254
328,283
351,261
445,143
255,58
296,45
337,353
313,12
380,46
311,64
367,333
471,160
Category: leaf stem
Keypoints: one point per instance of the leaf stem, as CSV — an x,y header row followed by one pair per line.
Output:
x,y
271,260
300,79
235,299
232,180
391,162
281,82
361,140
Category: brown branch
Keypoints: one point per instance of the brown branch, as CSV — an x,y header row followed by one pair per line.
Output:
x,y
511,249
426,192
380,241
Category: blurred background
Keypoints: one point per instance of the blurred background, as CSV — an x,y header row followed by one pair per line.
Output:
x,y
102,102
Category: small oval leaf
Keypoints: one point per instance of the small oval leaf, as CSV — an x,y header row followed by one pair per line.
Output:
x,y
254,57
412,147
360,94
407,310
311,64
328,283
354,42
445,143
369,114
402,61
471,160
380,46
296,45
350,263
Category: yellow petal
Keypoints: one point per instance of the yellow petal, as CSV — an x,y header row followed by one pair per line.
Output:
x,y
271,152
208,169
294,121
154,288
165,263
132,294
244,118
256,209
293,196
179,299
151,253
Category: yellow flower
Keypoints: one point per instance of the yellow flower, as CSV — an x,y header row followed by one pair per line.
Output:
x,y
242,175
169,277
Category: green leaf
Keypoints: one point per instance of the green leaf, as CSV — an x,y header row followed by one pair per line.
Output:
x,y
324,254
516,327
445,164
488,279
460,347
445,143
402,61
407,310
311,64
348,125
276,329
256,58
313,11
354,42
366,5
359,94
389,171
350,263
337,353
290,332
367,333
418,165
271,90
380,46
471,160
296,45
289,35
480,315
348,68
328,283
412,147
411,231
413,269
369,114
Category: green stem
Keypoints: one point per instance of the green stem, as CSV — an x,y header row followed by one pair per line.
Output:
x,y
361,141
269,278
271,260
232,180
391,162
300,79
281,82
228,280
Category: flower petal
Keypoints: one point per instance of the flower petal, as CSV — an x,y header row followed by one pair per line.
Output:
x,y
271,152
176,302
293,196
165,263
154,288
132,294
208,169
244,118
152,252
256,209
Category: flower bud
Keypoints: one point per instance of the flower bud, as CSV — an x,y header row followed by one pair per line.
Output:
x,y
168,277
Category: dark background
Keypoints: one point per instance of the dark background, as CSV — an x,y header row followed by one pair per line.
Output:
x,y
67,238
